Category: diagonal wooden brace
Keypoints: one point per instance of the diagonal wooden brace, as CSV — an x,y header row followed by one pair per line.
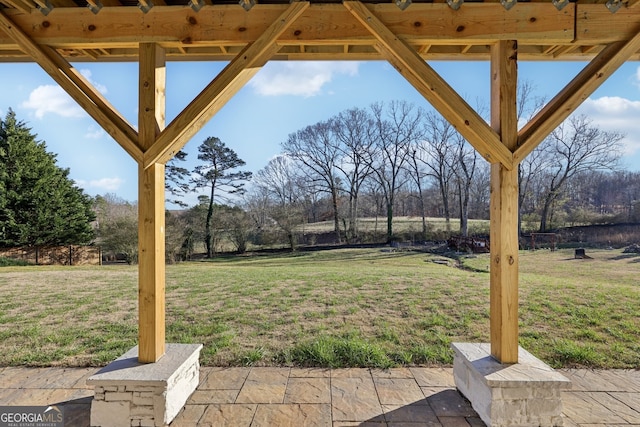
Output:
x,y
78,88
230,80
574,94
437,91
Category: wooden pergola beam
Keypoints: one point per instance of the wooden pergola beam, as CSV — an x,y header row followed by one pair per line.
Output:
x,y
437,91
230,80
574,94
151,207
229,24
504,208
77,87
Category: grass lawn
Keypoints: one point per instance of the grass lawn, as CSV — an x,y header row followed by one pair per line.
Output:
x,y
347,307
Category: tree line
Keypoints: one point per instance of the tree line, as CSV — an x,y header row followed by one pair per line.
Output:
x,y
398,159
384,161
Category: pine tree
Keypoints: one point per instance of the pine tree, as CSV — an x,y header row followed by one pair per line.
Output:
x,y
39,203
216,173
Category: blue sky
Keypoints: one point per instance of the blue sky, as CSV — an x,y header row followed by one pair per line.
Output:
x,y
282,98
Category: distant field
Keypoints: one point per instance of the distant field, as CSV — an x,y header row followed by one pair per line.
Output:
x,y
346,307
402,224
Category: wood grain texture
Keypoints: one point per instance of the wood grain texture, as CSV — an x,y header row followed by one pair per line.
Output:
x,y
151,208
151,259
504,208
224,24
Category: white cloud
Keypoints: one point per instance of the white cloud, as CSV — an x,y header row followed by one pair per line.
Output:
x,y
613,105
299,78
53,99
94,133
87,75
614,113
103,184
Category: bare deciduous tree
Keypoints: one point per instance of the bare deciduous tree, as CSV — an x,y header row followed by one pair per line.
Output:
x,y
439,155
352,128
315,148
397,130
278,182
117,226
417,173
467,160
573,147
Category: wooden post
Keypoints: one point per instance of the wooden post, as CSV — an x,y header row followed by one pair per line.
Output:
x,y
151,209
504,207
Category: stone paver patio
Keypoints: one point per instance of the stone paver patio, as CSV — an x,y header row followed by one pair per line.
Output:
x,y
408,397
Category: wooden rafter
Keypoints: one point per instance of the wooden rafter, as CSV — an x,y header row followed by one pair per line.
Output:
x,y
438,92
77,87
63,3
576,92
41,3
23,5
230,80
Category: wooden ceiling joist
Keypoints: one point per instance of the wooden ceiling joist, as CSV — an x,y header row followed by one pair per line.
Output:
x,y
23,5
58,4
437,91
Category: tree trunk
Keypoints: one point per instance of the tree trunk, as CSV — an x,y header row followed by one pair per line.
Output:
x,y
422,210
208,240
351,229
292,240
389,221
336,219
464,209
544,215
520,199
445,205
424,218
354,219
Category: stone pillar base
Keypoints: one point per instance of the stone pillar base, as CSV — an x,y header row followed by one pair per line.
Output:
x,y
129,393
527,393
